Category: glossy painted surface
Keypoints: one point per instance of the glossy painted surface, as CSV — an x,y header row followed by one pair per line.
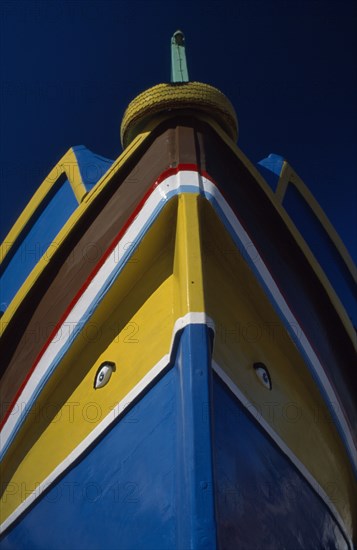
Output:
x,y
178,269
195,494
323,250
68,165
121,327
262,501
92,167
27,251
122,330
250,330
148,482
81,167
190,256
121,495
314,228
270,168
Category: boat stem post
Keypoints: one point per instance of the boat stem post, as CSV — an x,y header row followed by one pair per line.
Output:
x,y
179,72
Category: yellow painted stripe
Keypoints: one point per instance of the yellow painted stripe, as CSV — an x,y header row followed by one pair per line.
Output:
x,y
133,328
248,330
65,231
319,272
289,175
188,261
243,319
67,165
117,165
275,200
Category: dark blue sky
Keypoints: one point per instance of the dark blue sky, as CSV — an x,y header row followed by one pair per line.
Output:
x,y
69,69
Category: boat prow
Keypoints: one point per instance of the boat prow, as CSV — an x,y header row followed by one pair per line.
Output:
x,y
178,366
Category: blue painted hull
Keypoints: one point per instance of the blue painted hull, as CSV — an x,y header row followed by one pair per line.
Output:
x,y
262,500
185,467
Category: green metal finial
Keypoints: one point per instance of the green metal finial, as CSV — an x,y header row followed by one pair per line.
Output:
x,y
179,72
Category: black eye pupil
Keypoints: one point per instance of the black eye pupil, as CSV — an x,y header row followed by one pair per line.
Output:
x,y
101,376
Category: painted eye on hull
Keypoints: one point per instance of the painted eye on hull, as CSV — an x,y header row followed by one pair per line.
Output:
x,y
263,375
103,374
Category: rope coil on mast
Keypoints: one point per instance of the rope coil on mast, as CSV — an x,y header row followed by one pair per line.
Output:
x,y
178,96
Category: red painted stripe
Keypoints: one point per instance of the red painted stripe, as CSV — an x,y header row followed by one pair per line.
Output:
x,y
167,173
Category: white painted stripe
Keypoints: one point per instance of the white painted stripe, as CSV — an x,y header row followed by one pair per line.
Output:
x,y
184,181
290,322
252,410
80,449
192,318
180,324
89,300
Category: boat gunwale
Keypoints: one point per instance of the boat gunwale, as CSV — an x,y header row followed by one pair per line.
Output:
x,y
145,138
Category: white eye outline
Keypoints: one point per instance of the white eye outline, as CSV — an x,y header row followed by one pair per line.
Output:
x,y
263,375
103,374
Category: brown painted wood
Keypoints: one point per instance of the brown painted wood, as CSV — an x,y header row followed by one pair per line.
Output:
x,y
44,306
181,141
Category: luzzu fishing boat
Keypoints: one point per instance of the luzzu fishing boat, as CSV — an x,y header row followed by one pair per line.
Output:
x,y
177,346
